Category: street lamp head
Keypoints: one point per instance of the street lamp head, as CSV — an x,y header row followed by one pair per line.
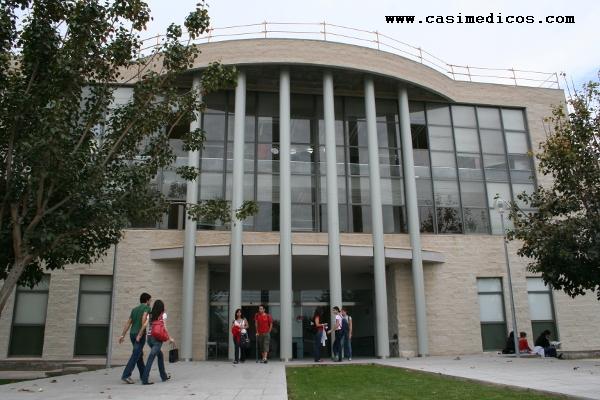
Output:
x,y
500,204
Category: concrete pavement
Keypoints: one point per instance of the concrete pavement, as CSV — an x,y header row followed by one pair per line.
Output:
x,y
212,380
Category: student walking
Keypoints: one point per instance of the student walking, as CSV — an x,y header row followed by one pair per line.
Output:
x,y
136,319
347,328
239,330
157,334
264,325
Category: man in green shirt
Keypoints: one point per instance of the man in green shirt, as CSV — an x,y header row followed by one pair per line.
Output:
x,y
135,322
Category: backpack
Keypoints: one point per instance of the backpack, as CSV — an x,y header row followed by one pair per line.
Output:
x,y
158,330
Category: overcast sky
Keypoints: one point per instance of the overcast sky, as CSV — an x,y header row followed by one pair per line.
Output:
x,y
572,48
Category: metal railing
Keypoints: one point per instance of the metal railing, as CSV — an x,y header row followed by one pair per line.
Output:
x,y
372,39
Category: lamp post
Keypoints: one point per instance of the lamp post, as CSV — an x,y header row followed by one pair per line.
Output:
x,y
500,205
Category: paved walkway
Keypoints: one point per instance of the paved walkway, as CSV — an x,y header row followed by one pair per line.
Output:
x,y
250,381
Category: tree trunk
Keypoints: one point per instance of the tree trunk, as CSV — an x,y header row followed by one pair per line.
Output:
x,y
10,282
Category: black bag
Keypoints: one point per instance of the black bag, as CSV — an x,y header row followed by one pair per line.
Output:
x,y
244,341
173,354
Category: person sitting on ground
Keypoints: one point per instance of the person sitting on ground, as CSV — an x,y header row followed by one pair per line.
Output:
x,y
509,348
544,341
523,344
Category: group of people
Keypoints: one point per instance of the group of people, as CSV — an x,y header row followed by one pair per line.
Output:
x,y
542,345
142,320
342,334
263,323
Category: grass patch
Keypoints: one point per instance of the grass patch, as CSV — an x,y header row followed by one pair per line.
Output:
x,y
378,382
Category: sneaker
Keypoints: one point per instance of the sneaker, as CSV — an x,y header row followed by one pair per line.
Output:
x,y
168,377
128,380
147,383
349,358
236,362
264,361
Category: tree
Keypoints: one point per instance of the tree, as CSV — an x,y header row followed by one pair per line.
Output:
x,y
562,237
75,166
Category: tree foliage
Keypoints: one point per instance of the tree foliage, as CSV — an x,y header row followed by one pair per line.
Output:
x,y
75,164
562,237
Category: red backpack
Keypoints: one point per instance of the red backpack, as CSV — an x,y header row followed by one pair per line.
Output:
x,y
158,330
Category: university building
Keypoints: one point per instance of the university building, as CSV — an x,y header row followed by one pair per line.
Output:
x,y
375,177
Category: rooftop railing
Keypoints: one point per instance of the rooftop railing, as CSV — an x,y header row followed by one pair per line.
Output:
x,y
376,40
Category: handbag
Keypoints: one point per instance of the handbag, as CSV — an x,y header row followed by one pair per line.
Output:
x,y
158,330
173,354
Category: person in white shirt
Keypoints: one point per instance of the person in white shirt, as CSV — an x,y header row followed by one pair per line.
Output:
x,y
337,343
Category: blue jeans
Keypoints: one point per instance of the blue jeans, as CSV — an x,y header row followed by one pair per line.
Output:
x,y
317,348
155,346
347,346
337,344
238,351
137,356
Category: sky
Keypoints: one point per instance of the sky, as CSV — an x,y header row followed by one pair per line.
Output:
x,y
570,48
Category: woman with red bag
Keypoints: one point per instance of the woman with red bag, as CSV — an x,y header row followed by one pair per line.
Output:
x,y
157,334
238,329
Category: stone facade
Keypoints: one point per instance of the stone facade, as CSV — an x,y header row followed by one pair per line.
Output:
x,y
450,286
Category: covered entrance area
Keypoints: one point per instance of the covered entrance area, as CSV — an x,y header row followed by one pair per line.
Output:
x,y
310,292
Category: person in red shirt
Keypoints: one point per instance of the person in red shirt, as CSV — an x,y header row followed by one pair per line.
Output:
x,y
264,324
523,344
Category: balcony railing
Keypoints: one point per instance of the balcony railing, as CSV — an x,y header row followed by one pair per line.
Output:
x,y
376,40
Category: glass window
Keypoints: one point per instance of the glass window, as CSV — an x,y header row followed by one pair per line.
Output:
x,y
419,136
422,164
268,157
342,214
495,167
469,166
417,113
361,219
360,190
541,311
340,159
424,192
492,142
303,218
357,133
212,157
446,193
513,119
341,186
300,130
426,223
302,159
473,194
438,114
501,189
491,313
440,138
389,162
302,189
339,131
386,134
358,160
476,220
516,142
443,165
267,188
392,192
463,116
519,188
488,117
93,315
394,220
466,140
449,220
214,127
267,219
29,319
354,107
268,130
211,185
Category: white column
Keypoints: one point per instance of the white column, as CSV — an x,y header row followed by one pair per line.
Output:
x,y
333,223
237,198
381,311
412,211
285,218
189,249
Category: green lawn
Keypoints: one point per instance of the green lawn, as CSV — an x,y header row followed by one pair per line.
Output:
x,y
374,382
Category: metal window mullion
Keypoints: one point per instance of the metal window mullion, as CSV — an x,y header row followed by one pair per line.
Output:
x,y
504,140
460,205
225,146
434,219
483,169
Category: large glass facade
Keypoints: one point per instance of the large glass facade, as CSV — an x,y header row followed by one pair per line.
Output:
x,y
464,156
